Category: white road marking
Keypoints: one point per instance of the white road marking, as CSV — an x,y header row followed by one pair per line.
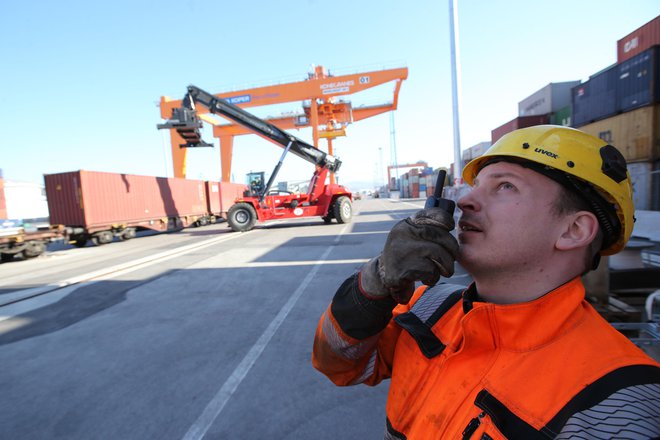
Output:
x,y
216,405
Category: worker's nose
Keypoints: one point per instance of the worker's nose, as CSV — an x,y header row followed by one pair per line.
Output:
x,y
469,201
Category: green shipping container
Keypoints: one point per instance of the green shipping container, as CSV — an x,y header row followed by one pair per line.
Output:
x,y
562,116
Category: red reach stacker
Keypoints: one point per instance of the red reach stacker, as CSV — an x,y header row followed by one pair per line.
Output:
x,y
328,201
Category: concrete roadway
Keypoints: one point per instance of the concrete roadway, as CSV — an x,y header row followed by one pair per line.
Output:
x,y
215,343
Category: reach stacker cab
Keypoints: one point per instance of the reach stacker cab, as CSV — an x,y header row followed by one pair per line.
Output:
x,y
328,201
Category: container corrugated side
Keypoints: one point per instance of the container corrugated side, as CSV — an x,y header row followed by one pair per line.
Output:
x,y
641,177
64,196
519,122
595,99
226,195
636,133
3,202
638,82
97,200
562,116
127,199
639,40
212,197
547,100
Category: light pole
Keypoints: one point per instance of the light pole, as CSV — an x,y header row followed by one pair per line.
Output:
x,y
455,89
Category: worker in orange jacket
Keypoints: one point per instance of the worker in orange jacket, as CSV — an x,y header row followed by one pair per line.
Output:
x,y
519,353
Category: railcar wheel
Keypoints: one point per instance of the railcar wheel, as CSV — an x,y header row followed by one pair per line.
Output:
x,y
103,237
343,210
34,249
127,234
241,217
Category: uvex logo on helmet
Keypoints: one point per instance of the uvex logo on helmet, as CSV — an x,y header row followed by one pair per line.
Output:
x,y
547,153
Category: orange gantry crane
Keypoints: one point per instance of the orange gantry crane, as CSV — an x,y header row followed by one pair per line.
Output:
x,y
323,111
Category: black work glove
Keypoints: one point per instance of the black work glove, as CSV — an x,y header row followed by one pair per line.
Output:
x,y
420,248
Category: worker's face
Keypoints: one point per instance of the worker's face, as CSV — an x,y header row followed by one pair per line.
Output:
x,y
508,223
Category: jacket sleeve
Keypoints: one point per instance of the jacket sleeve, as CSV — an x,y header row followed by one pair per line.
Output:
x,y
630,413
356,336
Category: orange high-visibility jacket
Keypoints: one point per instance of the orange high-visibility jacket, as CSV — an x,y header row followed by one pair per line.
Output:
x,y
461,368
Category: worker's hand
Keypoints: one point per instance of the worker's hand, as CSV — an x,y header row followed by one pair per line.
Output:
x,y
420,248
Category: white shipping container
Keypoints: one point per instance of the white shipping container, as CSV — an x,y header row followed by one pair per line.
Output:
x,y
25,200
475,151
548,100
479,149
640,174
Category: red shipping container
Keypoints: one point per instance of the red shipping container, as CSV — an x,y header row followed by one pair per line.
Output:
x,y
222,195
99,201
515,124
414,191
639,40
3,203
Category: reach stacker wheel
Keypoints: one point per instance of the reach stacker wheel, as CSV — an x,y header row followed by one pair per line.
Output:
x,y
241,217
343,210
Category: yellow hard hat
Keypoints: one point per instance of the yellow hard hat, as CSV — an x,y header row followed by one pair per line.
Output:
x,y
564,154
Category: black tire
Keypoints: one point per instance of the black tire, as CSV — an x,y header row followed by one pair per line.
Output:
x,y
6,258
241,217
327,219
343,210
34,249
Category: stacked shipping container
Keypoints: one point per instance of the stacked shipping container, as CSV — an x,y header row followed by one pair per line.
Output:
x,y
418,183
548,100
515,124
637,135
620,104
639,40
595,99
629,117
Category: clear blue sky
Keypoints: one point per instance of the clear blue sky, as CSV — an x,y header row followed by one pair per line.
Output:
x,y
80,81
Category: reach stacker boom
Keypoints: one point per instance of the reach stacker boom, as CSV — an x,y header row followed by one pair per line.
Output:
x,y
327,201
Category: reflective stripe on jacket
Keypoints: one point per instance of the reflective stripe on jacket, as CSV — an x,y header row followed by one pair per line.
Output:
x,y
461,368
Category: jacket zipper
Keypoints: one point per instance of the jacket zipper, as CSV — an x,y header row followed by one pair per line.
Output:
x,y
473,425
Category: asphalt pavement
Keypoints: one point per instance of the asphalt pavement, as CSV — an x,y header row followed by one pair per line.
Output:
x,y
214,344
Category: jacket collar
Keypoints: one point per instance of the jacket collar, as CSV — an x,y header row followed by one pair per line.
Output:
x,y
523,326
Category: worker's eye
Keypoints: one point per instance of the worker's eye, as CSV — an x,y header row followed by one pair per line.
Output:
x,y
505,186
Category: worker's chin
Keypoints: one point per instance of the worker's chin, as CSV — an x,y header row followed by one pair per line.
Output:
x,y
467,255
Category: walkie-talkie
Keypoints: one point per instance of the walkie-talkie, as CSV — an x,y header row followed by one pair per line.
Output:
x,y
436,200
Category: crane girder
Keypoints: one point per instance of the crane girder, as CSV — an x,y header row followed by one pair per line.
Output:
x,y
326,116
320,88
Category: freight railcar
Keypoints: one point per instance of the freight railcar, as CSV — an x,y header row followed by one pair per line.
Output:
x,y
28,242
100,206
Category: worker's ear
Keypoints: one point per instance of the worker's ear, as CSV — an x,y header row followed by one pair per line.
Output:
x,y
578,230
